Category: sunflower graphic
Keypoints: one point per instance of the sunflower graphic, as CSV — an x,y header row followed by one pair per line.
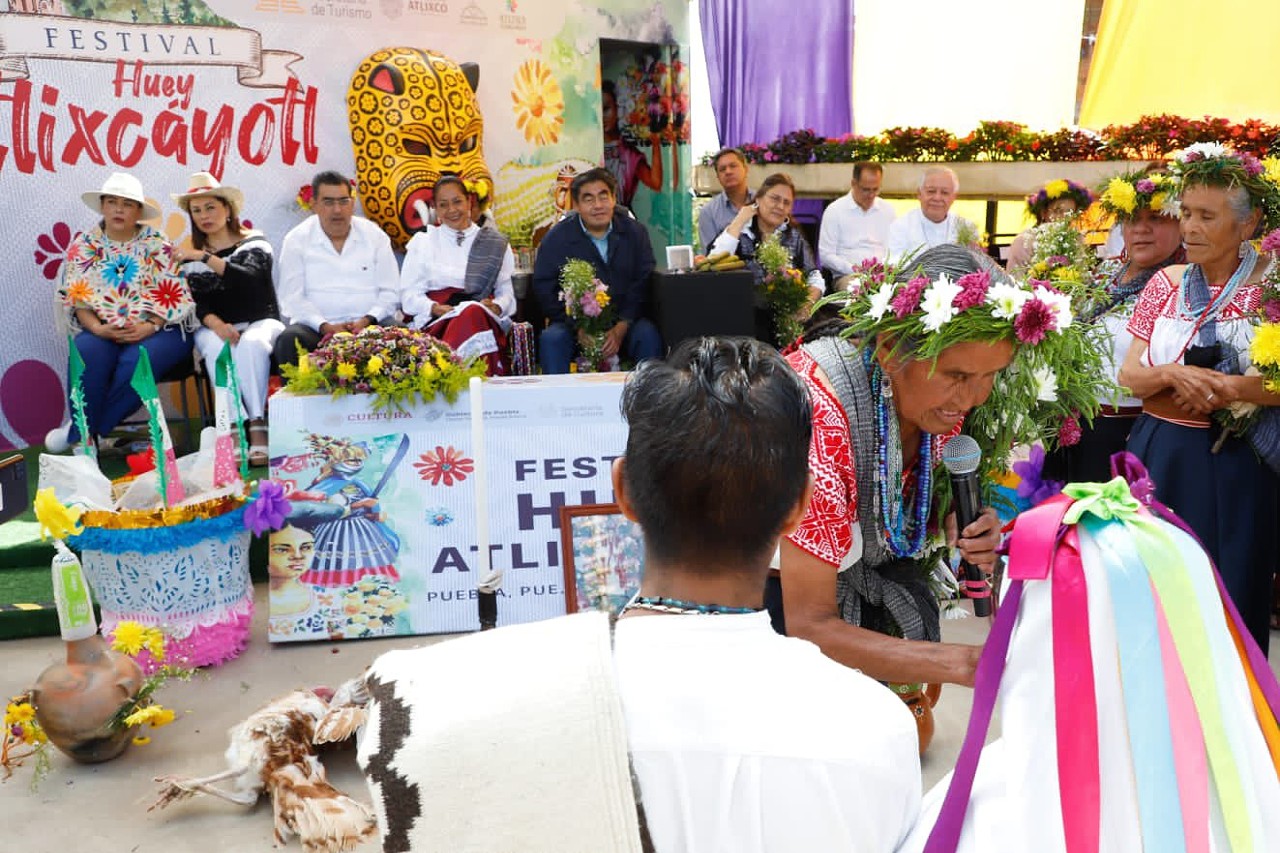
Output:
x,y
538,103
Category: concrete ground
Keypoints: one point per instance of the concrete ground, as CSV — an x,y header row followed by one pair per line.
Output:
x,y
106,804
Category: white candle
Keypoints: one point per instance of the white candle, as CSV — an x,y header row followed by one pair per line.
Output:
x,y
480,475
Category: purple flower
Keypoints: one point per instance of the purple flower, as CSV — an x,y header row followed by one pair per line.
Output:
x,y
1271,310
1146,185
1192,156
1033,487
974,291
1252,166
908,299
1058,260
1034,322
268,510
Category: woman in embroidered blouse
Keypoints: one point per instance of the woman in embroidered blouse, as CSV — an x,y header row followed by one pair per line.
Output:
x,y
770,214
844,585
1192,328
456,279
122,294
1148,217
228,270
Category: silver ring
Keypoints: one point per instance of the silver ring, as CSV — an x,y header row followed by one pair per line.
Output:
x,y
1209,398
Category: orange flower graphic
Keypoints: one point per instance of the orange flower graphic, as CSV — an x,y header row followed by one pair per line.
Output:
x,y
444,463
538,103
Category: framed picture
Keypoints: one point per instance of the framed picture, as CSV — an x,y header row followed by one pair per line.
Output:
x,y
603,557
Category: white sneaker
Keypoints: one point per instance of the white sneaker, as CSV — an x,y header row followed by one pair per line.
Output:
x,y
57,440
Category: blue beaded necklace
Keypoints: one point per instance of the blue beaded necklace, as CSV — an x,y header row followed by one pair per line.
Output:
x,y
904,537
662,604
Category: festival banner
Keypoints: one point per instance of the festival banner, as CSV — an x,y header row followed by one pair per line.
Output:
x,y
265,93
381,536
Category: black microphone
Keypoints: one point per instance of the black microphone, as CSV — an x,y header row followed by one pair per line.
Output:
x,y
962,455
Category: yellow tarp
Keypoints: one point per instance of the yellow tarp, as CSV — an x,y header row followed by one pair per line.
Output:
x,y
1185,57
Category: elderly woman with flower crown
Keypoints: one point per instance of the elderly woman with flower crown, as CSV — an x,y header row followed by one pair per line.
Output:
x,y
1145,203
1055,201
1193,326
890,383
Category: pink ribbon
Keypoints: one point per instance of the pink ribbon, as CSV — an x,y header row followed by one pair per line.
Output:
x,y
1188,741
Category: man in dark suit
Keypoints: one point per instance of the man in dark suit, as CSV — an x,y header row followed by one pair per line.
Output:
x,y
618,247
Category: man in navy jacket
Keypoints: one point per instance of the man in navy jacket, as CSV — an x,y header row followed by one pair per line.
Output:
x,y
619,248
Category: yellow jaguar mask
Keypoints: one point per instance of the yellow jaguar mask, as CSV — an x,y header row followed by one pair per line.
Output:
x,y
413,117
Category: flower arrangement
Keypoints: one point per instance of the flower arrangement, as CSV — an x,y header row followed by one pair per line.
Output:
x,y
302,201
148,647
785,290
1039,201
397,366
1150,138
1124,196
968,235
1060,258
1057,370
588,304
23,738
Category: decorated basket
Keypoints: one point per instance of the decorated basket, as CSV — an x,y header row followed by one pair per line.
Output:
x,y
184,569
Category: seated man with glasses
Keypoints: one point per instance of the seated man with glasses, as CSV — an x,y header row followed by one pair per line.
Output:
x,y
336,271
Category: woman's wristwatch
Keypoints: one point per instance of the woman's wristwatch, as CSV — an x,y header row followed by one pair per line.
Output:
x,y
204,259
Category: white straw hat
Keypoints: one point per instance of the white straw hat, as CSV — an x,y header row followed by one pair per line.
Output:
x,y
203,183
121,185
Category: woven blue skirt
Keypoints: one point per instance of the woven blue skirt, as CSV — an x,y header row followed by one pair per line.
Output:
x,y
1231,499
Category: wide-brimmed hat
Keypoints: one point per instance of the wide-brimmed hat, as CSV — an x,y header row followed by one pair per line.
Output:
x,y
121,185
204,184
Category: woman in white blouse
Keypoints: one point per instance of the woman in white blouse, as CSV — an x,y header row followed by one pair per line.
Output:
x,y
456,279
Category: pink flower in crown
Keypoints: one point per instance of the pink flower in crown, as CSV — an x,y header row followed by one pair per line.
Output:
x,y
1146,185
1271,310
1271,242
1069,434
974,290
908,299
1192,156
1034,322
1252,166
1058,260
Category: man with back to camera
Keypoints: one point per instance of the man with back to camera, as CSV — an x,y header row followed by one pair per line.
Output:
x,y
741,739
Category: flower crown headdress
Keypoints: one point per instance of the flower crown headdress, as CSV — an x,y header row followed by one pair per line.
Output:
x,y
1038,202
1216,165
928,316
1126,195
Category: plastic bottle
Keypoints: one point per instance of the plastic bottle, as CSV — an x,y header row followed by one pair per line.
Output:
x,y
71,594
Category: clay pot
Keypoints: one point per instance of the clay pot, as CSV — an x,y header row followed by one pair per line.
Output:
x,y
75,701
920,699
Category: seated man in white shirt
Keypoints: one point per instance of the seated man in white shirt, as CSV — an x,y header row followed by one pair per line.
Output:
x,y
741,739
933,223
855,227
337,272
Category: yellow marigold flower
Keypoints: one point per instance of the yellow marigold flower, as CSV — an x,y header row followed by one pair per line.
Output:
x,y
1053,189
442,362
1121,195
163,718
56,519
346,371
18,713
304,363
129,637
153,639
141,740
149,714
374,365
32,733
1158,201
1265,349
1272,166
1067,274
415,349
429,370
602,298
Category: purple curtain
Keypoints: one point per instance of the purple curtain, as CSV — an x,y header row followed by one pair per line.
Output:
x,y
778,65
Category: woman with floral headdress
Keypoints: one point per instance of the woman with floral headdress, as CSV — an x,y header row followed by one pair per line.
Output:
x,y
914,355
1055,201
1145,203
1193,325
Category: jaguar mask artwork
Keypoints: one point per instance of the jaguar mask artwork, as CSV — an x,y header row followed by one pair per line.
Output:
x,y
414,117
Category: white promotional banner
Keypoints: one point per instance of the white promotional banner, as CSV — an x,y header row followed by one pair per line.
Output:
x,y
381,538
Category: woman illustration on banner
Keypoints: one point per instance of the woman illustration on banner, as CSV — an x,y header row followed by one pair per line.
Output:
x,y
626,163
456,279
358,542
